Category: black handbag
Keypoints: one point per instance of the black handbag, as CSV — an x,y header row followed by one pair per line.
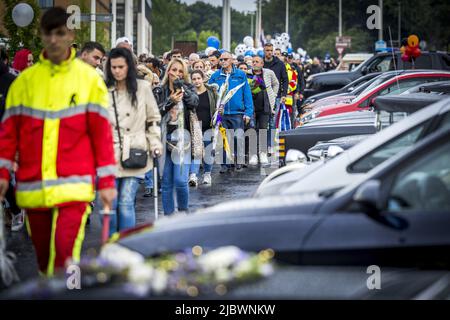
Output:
x,y
137,158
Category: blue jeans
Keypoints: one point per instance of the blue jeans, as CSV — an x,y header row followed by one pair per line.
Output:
x,y
175,179
234,121
124,213
195,164
149,179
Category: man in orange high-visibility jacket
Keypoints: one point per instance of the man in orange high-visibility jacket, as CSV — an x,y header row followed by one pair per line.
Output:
x,y
56,120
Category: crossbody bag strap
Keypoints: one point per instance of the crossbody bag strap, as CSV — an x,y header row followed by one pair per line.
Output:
x,y
117,122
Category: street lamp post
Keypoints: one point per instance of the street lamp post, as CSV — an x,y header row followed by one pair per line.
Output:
x,y
226,24
114,22
340,18
380,32
287,16
251,24
399,23
93,20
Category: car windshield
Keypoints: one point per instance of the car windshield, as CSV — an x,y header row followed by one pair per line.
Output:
x,y
374,83
386,151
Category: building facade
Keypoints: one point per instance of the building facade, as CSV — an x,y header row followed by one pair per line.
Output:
x,y
132,19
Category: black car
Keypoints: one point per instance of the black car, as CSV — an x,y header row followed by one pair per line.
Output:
x,y
396,215
381,62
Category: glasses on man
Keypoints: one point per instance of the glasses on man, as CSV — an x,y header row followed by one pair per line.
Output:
x,y
224,59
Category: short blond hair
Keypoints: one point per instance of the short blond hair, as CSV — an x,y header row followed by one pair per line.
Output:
x,y
185,71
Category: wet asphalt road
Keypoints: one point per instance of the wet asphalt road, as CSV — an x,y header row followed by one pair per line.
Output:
x,y
235,185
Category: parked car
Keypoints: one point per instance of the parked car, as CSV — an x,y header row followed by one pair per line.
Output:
x,y
395,215
380,62
350,61
364,100
400,104
332,99
346,89
364,156
342,125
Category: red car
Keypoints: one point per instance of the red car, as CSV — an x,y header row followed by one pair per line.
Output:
x,y
363,101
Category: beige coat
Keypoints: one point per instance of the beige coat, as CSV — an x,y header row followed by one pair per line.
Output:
x,y
132,121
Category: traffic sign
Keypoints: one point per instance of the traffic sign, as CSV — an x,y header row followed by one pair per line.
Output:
x,y
345,42
380,45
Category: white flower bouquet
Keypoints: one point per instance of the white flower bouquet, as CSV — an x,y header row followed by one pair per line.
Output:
x,y
189,273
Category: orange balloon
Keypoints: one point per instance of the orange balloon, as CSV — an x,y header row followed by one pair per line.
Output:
x,y
413,41
402,49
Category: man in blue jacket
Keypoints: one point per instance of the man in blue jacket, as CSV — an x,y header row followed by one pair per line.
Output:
x,y
239,110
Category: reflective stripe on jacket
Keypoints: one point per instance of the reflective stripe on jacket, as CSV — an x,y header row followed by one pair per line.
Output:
x,y
56,118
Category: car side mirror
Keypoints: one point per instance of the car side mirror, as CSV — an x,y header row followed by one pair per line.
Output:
x,y
364,70
315,155
367,196
294,156
333,151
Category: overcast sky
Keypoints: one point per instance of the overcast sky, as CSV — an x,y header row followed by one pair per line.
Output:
x,y
240,5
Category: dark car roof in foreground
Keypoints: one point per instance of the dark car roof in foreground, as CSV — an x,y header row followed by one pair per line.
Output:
x,y
406,103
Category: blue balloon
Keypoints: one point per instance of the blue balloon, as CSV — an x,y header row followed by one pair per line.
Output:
x,y
289,50
249,53
260,53
213,42
222,51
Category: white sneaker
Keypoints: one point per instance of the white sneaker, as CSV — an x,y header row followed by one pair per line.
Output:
x,y
207,178
18,221
263,158
193,180
253,160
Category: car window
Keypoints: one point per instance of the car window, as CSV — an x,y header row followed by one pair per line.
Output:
x,y
424,185
401,86
373,83
445,122
445,61
422,62
382,64
387,150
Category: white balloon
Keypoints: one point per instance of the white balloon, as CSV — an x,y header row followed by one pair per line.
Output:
x,y
301,52
22,14
248,41
250,49
240,49
209,50
285,37
289,45
278,43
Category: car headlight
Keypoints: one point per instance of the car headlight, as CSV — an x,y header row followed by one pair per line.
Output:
x,y
308,116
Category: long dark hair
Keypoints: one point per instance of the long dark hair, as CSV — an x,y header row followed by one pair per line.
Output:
x,y
131,80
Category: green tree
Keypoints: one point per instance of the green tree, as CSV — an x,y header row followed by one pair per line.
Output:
x,y
169,19
23,37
